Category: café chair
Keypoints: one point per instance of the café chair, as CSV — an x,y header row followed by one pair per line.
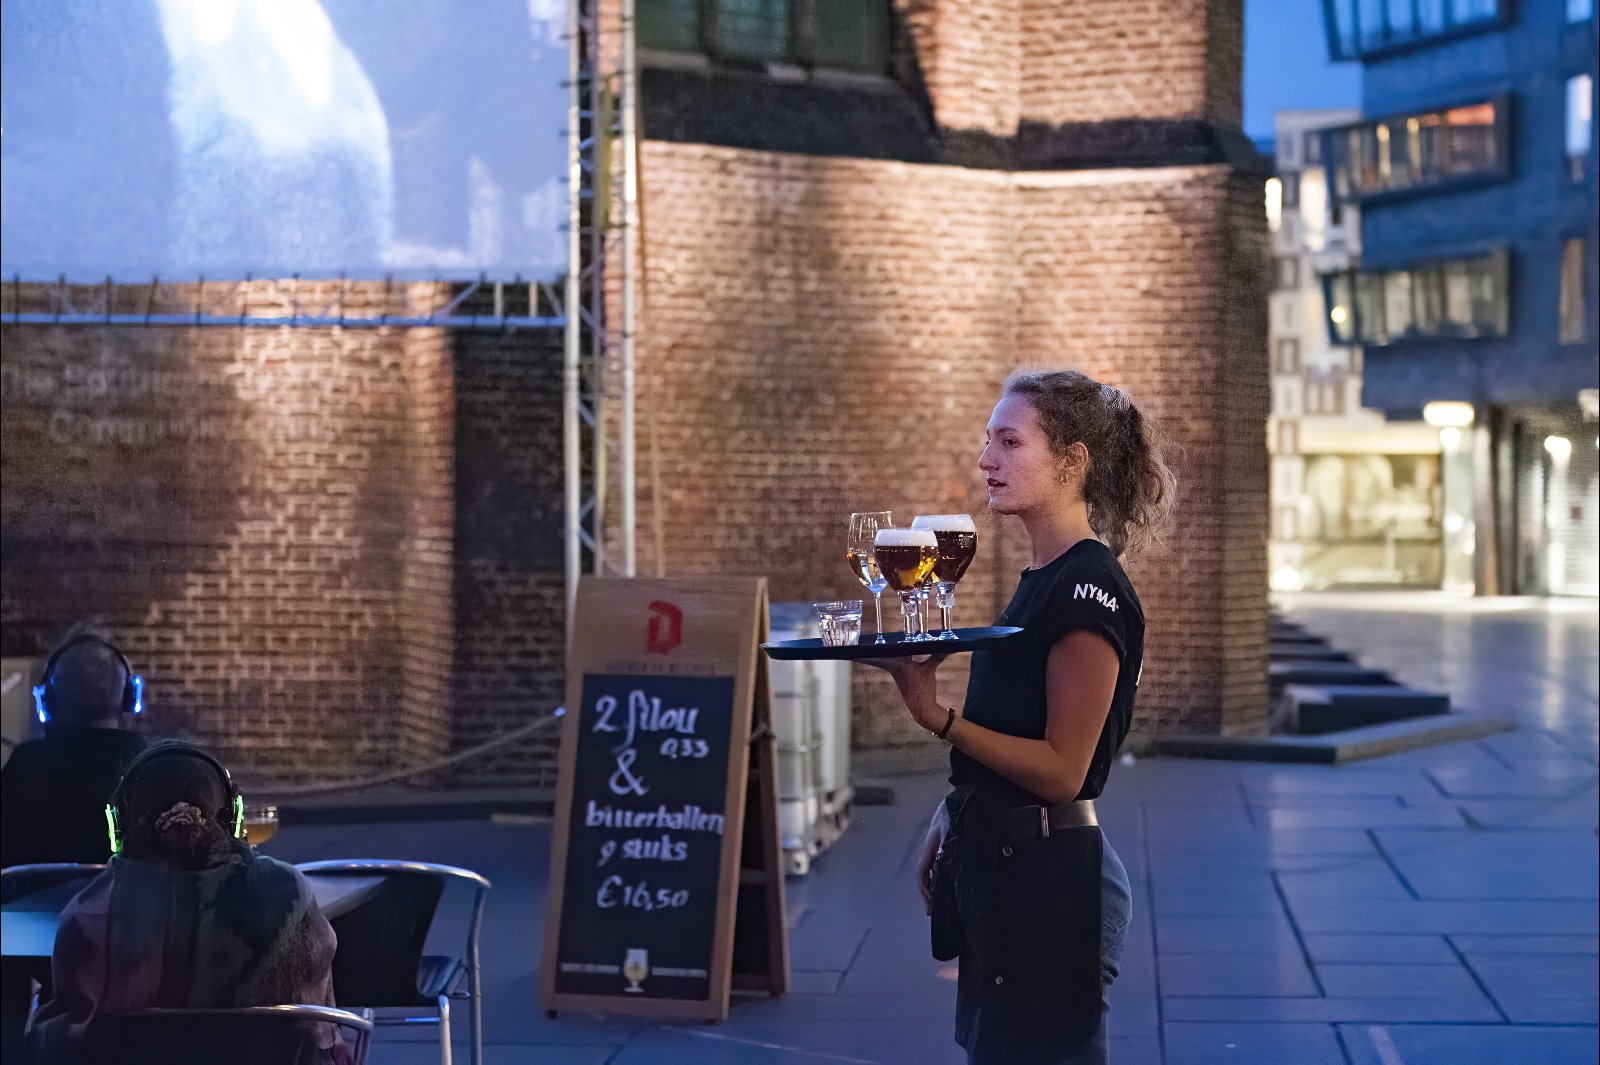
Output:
x,y
17,881
248,1035
380,964
24,982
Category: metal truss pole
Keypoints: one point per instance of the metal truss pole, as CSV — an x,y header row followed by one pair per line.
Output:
x,y
598,370
571,365
629,106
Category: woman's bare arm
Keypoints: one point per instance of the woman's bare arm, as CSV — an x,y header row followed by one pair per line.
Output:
x,y
1080,680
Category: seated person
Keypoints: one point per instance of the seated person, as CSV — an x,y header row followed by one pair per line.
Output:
x,y
53,791
187,915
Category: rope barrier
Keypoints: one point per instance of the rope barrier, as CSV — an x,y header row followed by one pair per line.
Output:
x,y
544,724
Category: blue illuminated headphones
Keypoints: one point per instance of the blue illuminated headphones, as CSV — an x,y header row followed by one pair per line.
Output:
x,y
132,686
231,814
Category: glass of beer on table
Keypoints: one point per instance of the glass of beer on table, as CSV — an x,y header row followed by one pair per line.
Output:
x,y
859,550
906,557
260,822
957,537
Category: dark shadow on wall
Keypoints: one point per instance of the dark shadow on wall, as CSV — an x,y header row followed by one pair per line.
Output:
x,y
509,570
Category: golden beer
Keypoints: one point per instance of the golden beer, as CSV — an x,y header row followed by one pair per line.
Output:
x,y
958,543
906,556
260,823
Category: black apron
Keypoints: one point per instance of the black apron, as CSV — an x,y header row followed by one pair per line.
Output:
x,y
1024,918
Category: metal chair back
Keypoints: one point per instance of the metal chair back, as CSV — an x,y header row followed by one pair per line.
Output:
x,y
381,941
18,881
250,1035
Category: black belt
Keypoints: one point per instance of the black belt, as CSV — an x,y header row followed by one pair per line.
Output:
x,y
1023,823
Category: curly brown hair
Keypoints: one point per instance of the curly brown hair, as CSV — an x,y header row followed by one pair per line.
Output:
x,y
1128,487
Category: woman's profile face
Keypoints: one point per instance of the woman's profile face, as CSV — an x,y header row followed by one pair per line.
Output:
x,y
1019,468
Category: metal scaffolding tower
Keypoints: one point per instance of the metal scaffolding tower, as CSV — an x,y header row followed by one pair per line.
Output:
x,y
601,298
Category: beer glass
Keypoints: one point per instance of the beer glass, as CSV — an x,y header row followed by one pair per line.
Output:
x,y
864,526
260,823
958,546
906,557
635,967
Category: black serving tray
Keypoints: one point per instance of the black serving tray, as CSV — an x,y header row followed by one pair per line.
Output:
x,y
979,639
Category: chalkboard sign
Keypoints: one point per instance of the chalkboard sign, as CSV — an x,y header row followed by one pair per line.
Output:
x,y
666,879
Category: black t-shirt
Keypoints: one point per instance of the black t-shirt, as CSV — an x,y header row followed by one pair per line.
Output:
x,y
1083,588
55,792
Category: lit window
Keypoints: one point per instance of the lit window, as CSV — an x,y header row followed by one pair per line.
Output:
x,y
1339,296
1574,291
1578,10
1456,299
1580,122
1362,28
1416,151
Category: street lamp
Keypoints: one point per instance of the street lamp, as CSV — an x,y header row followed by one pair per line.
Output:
x,y
1447,414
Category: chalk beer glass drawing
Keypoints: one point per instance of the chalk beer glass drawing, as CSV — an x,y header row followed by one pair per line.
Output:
x,y
635,966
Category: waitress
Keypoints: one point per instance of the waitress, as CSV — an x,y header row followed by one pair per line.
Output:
x,y
1019,881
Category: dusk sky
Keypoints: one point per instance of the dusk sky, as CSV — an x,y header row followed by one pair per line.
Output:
x,y
1286,63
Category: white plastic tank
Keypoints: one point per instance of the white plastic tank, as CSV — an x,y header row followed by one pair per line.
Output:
x,y
811,724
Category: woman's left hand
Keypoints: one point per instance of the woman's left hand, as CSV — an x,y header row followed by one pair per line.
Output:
x,y
914,676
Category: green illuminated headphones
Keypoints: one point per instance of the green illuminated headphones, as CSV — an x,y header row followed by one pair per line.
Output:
x,y
232,812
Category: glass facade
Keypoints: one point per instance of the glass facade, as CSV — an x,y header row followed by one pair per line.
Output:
x,y
1363,28
1456,299
1418,151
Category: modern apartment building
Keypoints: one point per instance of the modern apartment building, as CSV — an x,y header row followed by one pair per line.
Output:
x,y
1355,496
1474,169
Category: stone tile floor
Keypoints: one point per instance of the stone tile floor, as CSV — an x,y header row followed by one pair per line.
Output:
x,y
1437,907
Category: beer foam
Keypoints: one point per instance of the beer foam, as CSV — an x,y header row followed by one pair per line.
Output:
x,y
906,538
946,523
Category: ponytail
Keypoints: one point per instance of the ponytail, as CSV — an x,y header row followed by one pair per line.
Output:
x,y
187,836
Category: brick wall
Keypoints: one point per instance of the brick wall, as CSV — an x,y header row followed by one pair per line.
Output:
x,y
510,582
969,56
263,517
1143,278
1091,60
990,64
828,335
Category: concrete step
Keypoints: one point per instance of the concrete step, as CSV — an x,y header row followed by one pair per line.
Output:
x,y
1305,651
1282,672
1314,709
1349,745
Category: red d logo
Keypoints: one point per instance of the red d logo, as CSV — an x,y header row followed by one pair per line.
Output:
x,y
666,628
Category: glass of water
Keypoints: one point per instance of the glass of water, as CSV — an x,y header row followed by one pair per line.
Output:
x,y
839,623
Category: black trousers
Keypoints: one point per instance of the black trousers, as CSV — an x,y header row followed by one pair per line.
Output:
x,y
1029,991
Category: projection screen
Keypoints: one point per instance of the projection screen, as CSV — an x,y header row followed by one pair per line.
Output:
x,y
223,138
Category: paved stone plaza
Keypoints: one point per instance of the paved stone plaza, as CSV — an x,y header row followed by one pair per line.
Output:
x,y
1436,907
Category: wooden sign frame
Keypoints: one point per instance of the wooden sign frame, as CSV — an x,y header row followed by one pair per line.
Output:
x,y
704,627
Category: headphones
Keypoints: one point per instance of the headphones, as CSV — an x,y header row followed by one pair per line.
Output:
x,y
132,686
231,814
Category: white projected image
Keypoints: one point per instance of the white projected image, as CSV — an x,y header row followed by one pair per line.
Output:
x,y
225,138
